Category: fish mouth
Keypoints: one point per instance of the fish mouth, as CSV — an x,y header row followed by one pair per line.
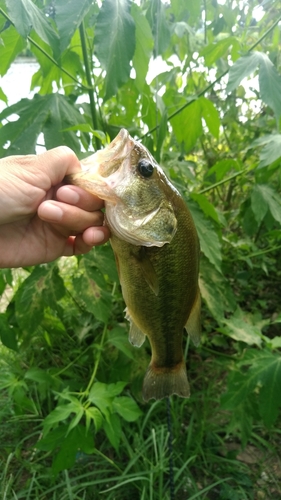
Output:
x,y
103,171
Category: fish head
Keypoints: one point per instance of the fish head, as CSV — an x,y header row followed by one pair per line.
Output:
x,y
138,196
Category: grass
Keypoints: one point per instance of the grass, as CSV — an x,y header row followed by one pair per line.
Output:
x,y
208,462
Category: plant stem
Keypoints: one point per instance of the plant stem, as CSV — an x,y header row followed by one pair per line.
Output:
x,y
223,181
90,87
206,89
46,54
97,362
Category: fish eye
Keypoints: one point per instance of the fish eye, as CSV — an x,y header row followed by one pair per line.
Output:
x,y
145,168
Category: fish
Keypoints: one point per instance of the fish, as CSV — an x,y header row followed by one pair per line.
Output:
x,y
156,248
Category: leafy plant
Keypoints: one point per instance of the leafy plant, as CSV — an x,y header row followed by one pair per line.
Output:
x,y
199,83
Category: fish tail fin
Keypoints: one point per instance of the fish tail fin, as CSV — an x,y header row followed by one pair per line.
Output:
x,y
162,382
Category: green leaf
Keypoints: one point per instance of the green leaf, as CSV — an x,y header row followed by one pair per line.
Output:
x,y
242,68
271,151
102,395
113,430
69,16
205,205
270,85
91,295
12,45
3,96
187,125
239,327
262,376
222,167
156,15
8,334
118,337
258,203
211,116
50,114
216,291
144,46
115,43
209,240
216,50
94,414
263,198
26,15
77,439
127,408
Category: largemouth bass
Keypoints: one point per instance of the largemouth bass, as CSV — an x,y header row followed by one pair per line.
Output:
x,y
156,248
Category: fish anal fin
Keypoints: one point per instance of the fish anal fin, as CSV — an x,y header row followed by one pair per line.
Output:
x,y
163,382
148,270
193,324
136,336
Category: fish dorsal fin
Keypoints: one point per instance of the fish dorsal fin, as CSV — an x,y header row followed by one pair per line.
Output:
x,y
148,270
136,336
193,324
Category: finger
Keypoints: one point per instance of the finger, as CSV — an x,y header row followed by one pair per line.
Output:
x,y
59,162
74,195
70,218
76,245
93,236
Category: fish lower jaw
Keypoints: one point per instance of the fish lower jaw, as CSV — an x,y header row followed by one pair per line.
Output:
x,y
164,382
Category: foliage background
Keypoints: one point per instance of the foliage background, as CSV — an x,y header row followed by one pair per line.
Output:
x,y
199,83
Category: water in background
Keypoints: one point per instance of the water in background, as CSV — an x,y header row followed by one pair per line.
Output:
x,y
16,83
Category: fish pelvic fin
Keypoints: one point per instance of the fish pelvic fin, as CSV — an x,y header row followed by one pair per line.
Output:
x,y
163,382
193,324
136,336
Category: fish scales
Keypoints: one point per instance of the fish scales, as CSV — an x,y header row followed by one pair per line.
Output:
x,y
159,277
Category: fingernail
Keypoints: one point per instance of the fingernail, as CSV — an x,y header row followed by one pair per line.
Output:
x,y
69,195
52,212
99,236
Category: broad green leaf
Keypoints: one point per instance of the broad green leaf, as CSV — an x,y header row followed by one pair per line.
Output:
x,y
187,125
118,337
264,376
161,135
242,68
127,408
205,205
271,150
50,114
8,334
264,198
102,394
92,296
156,15
222,167
239,327
12,45
211,116
270,85
216,290
43,288
76,440
144,46
258,203
3,96
26,15
68,17
59,414
94,414
53,439
113,430
115,43
215,50
209,240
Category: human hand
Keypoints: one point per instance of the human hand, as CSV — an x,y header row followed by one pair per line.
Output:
x,y
41,219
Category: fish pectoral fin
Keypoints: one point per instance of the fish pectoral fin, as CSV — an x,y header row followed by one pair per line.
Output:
x,y
193,324
148,270
136,336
